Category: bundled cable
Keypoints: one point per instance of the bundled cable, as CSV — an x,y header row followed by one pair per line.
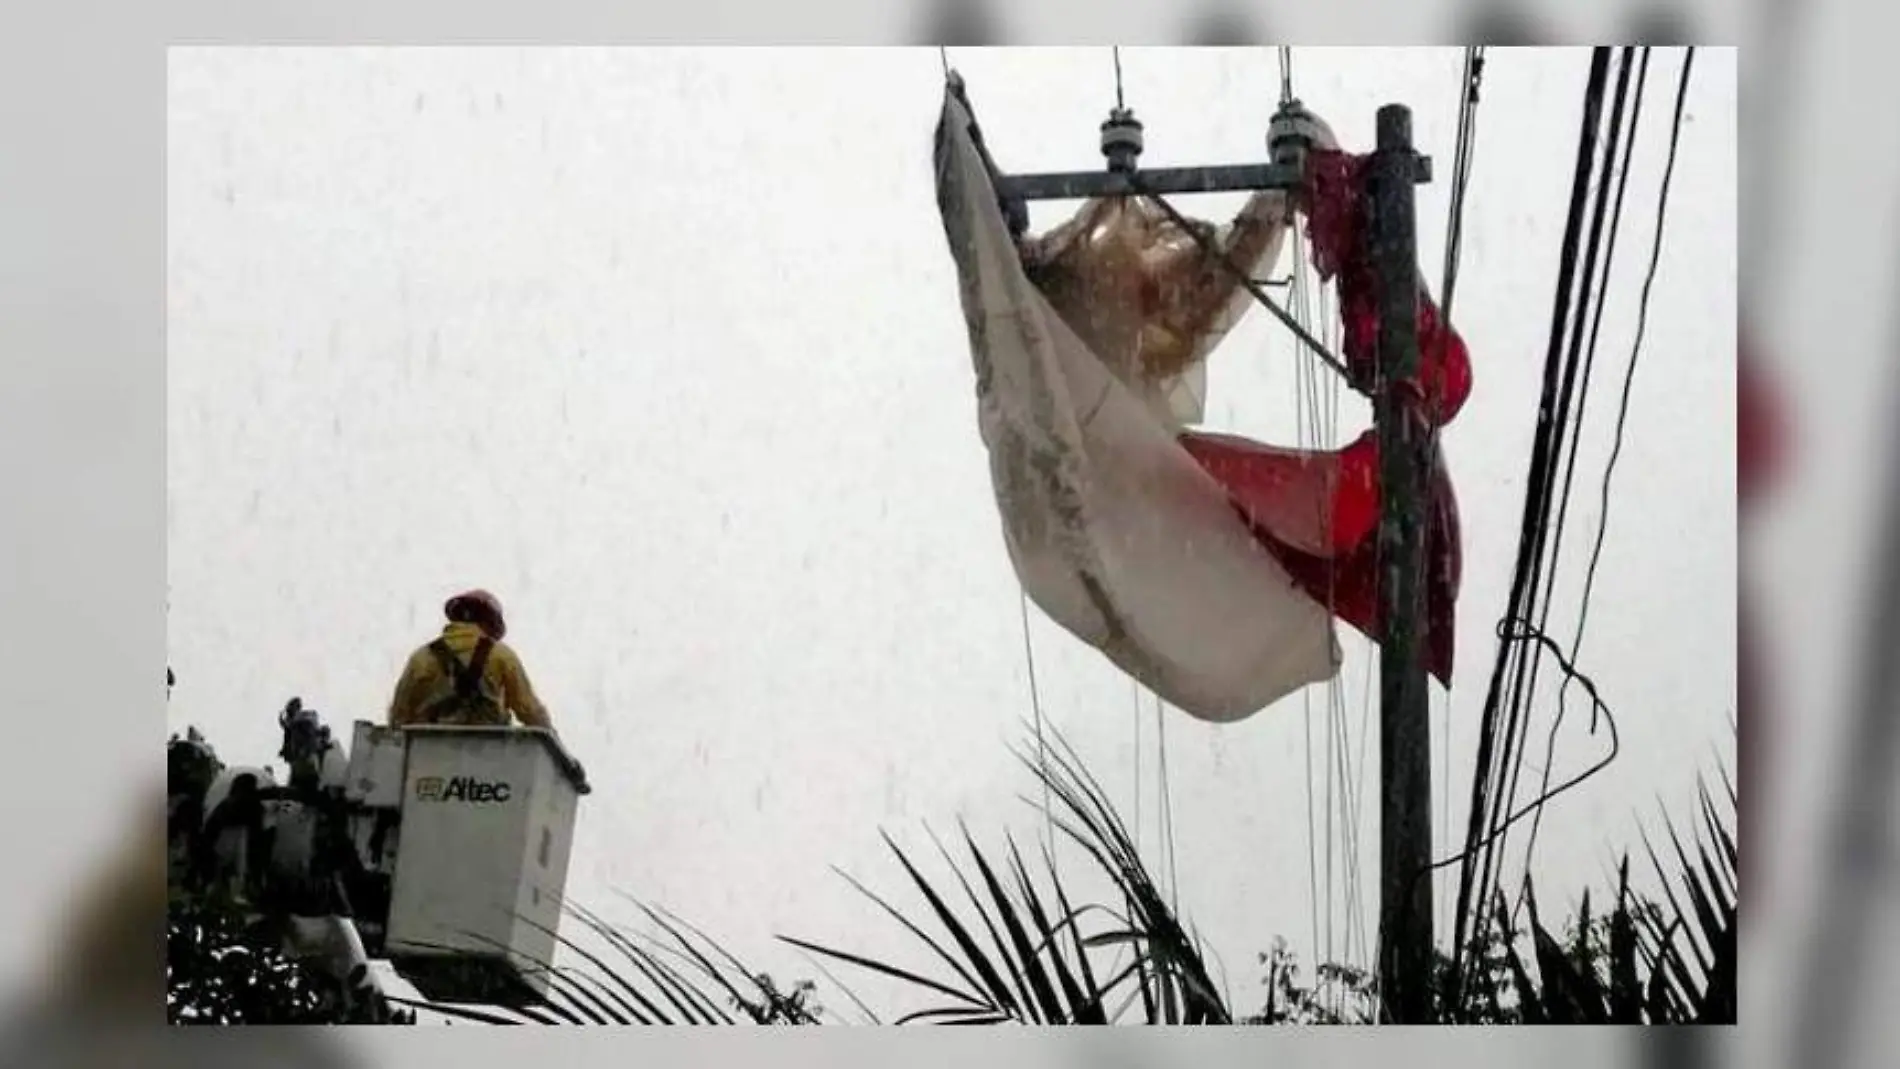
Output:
x,y
1500,747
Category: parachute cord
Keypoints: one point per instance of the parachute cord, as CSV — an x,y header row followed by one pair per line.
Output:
x,y
1167,813
1312,842
1253,288
1316,419
1357,819
1042,751
1134,693
943,54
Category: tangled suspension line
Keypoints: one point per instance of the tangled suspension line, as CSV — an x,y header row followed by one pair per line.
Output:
x,y
1029,655
1164,793
1042,748
1334,879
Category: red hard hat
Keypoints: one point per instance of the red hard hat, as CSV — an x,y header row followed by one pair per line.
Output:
x,y
485,606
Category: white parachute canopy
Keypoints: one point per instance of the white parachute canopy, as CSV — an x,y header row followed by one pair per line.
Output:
x,y
1115,531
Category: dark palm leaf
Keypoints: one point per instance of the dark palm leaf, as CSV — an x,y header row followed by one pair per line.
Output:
x,y
680,978
1016,997
1177,966
1626,993
1570,995
465,1013
1032,965
1529,1001
1082,1008
663,982
1699,985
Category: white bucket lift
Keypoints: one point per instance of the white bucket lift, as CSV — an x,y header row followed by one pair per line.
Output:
x,y
480,866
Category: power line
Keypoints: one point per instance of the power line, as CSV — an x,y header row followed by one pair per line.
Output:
x,y
1468,92
1622,415
1535,504
1461,173
1549,535
1636,347
1616,144
1576,382
1512,631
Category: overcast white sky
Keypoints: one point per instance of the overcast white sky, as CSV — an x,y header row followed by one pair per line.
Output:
x,y
663,346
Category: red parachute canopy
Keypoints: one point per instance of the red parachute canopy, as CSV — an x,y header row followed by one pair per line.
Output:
x,y
1318,511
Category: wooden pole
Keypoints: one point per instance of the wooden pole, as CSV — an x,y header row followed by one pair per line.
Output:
x,y
1405,836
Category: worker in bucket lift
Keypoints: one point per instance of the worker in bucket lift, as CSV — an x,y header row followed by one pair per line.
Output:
x,y
468,675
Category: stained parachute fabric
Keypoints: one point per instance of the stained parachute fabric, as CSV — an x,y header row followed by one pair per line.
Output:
x,y
1318,511
1145,298
1114,529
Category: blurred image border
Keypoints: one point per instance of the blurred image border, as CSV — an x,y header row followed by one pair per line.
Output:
x,y
83,426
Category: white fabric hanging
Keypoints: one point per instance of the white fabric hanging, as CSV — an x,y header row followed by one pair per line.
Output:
x,y
1113,528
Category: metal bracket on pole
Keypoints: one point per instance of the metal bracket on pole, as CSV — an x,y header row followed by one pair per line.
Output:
x,y
1122,143
1288,139
1219,178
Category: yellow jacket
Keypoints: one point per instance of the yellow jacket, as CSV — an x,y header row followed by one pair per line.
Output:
x,y
424,681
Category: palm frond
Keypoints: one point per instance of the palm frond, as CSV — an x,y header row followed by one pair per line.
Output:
x,y
1703,990
681,977
1018,960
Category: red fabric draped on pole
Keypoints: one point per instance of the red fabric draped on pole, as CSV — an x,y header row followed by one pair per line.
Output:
x,y
1318,512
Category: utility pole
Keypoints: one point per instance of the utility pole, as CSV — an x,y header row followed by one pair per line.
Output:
x,y
1405,830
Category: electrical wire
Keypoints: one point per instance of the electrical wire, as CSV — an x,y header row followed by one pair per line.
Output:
x,y
1546,536
1578,375
1469,83
1636,346
1514,631
1470,80
1475,869
1583,609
